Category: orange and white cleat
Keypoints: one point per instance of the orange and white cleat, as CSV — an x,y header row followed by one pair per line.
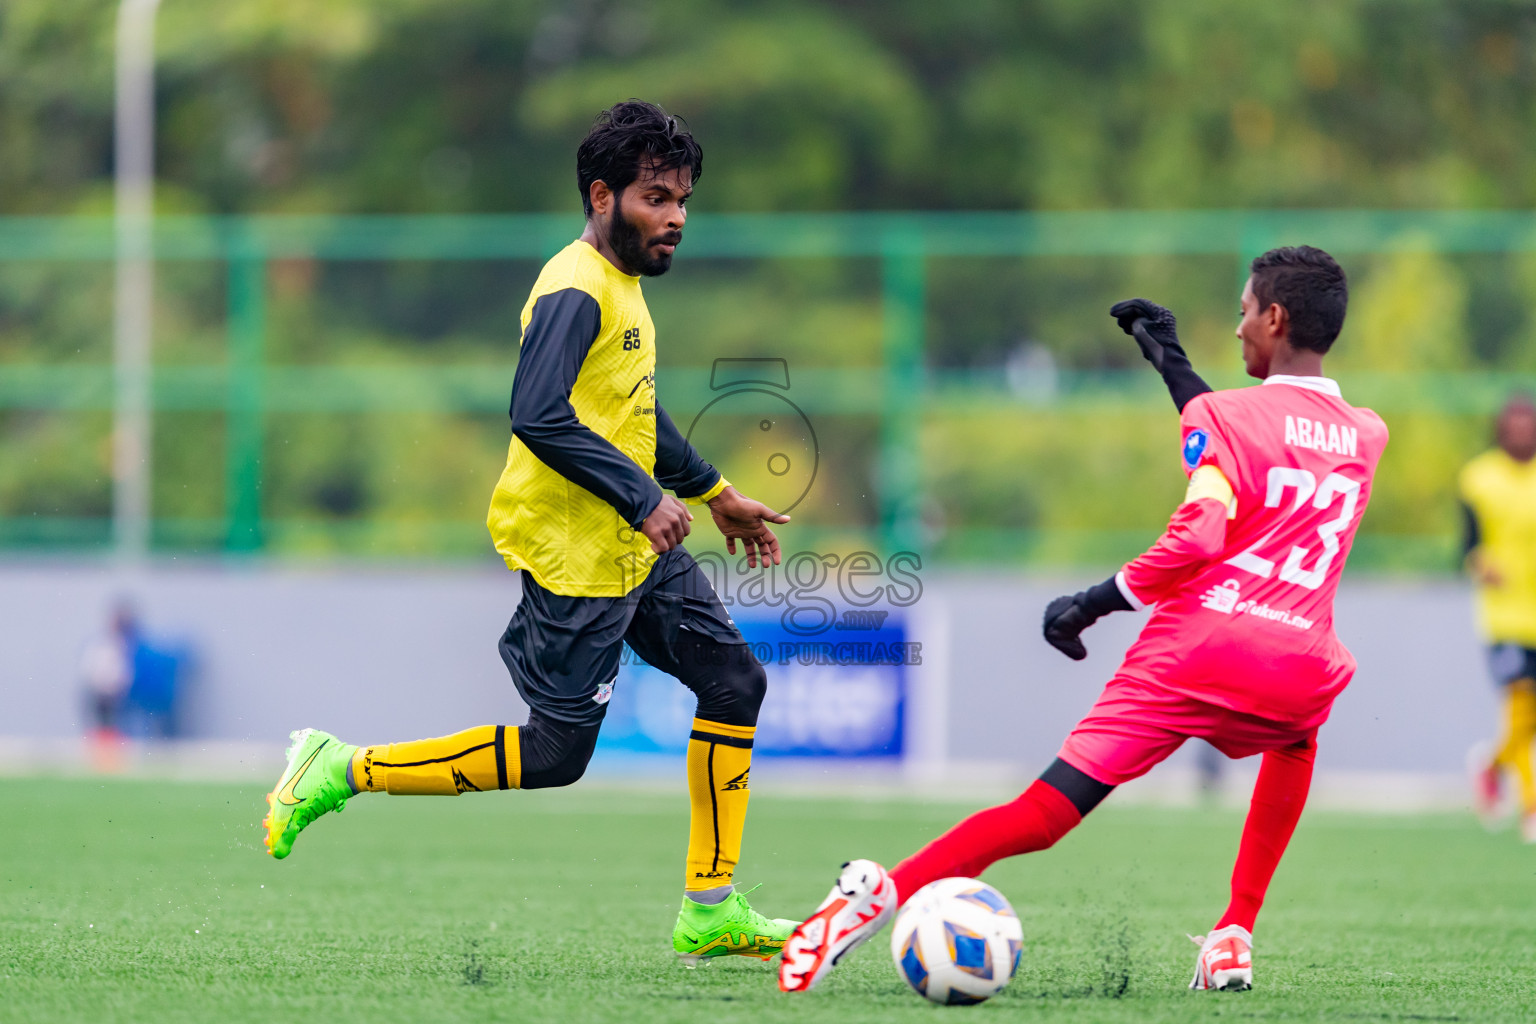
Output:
x,y
861,901
1226,960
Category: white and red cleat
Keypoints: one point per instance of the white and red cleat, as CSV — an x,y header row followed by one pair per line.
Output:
x,y
1488,794
1225,961
860,903
1487,785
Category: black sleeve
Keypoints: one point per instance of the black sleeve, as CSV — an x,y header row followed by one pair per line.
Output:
x,y
560,333
679,467
1185,387
1471,531
1184,384
1103,598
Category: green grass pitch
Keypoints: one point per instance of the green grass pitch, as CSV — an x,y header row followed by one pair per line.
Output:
x,y
137,901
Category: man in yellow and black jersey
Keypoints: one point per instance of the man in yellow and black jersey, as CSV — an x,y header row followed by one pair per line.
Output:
x,y
1498,497
580,511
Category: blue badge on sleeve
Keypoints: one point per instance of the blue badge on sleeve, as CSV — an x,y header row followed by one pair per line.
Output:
x,y
1195,443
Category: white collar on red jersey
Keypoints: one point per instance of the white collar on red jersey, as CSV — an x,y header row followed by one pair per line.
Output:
x,y
1325,385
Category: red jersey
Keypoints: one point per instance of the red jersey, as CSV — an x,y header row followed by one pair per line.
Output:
x,y
1244,591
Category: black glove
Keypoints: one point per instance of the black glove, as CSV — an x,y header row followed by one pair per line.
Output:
x,y
1067,617
1156,332
1065,621
1161,328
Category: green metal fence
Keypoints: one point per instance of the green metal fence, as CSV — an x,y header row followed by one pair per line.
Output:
x,y
246,390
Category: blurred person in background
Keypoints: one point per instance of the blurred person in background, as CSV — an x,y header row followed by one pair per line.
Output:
x,y
106,672
1498,499
1208,772
152,710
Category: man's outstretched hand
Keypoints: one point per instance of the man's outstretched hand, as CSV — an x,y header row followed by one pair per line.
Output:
x,y
738,517
1160,328
1065,620
1156,332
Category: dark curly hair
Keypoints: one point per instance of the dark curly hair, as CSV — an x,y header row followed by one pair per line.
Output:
x,y
1310,284
622,136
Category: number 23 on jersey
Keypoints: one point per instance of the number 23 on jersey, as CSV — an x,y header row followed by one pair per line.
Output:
x,y
1314,502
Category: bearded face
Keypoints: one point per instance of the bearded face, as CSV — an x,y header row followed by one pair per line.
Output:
x,y
648,256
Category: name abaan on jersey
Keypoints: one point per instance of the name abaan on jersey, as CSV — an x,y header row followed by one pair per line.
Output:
x,y
1332,438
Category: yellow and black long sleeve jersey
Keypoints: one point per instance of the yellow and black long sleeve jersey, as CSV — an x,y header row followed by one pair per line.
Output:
x,y
591,449
1498,495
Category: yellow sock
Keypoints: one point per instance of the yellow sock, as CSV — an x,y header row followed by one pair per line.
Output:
x,y
1519,734
719,759
485,757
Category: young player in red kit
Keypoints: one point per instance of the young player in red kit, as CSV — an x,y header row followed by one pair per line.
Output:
x,y
1240,650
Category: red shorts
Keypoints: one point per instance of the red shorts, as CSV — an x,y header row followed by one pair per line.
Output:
x,y
1134,726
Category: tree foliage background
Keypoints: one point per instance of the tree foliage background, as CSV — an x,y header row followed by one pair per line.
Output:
x,y
475,106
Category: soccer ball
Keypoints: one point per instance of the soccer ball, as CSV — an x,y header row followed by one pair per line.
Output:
x,y
957,941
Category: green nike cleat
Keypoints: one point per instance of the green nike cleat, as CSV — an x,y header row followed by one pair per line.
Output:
x,y
314,782
729,928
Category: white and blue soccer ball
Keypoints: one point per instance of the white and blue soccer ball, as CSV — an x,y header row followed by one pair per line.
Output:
x,y
957,941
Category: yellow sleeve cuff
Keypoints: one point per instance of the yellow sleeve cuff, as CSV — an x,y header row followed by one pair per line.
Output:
x,y
1210,482
709,495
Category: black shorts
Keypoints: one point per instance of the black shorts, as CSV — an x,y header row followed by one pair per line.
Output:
x,y
563,652
1509,662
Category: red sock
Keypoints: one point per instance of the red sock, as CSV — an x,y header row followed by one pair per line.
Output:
x,y
1034,821
1278,798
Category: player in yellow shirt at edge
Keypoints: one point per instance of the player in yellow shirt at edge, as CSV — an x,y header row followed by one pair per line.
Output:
x,y
1498,495
579,511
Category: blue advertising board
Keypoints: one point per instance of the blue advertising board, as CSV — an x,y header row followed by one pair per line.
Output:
x,y
839,694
